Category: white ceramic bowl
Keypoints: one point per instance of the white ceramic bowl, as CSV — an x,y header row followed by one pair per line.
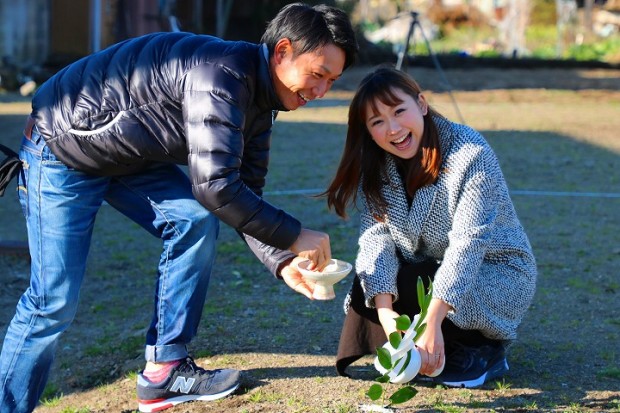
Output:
x,y
324,280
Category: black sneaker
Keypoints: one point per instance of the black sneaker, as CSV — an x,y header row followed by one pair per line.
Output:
x,y
472,366
186,382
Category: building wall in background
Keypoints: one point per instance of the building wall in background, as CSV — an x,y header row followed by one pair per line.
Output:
x,y
24,28
53,33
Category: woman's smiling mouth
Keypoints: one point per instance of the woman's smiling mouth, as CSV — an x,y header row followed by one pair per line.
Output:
x,y
402,142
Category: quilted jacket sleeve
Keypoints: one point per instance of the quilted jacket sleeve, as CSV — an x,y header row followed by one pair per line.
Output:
x,y
253,172
214,105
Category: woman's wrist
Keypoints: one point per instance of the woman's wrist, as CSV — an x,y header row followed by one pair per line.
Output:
x,y
437,312
383,301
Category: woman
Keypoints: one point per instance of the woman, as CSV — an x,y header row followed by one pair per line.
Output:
x,y
434,205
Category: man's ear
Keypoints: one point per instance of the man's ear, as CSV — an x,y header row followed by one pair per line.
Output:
x,y
282,48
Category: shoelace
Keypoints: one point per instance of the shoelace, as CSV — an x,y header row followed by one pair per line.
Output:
x,y
461,356
190,365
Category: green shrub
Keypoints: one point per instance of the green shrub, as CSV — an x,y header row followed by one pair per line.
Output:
x,y
602,50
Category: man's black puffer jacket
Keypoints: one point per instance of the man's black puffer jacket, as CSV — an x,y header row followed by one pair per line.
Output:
x,y
180,98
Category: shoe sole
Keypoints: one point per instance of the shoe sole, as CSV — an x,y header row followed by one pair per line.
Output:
x,y
146,406
499,369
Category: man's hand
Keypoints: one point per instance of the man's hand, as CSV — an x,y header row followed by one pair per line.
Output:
x,y
314,246
293,278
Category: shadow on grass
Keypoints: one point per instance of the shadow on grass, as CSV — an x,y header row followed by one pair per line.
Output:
x,y
260,376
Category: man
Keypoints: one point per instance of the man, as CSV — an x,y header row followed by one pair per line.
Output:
x,y
111,127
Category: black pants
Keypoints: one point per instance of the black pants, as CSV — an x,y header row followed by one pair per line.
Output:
x,y
362,332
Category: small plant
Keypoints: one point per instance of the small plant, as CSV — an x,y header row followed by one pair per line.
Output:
x,y
395,368
51,395
502,386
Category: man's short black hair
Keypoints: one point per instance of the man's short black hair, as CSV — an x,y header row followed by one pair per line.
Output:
x,y
310,28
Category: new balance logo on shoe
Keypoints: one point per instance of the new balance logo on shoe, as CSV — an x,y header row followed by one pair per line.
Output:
x,y
182,384
186,382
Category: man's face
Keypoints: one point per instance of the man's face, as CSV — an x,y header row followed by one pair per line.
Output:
x,y
308,76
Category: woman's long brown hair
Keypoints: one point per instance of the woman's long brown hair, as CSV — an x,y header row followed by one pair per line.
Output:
x,y
363,160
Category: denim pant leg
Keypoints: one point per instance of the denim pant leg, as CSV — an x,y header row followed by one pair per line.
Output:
x,y
160,200
60,206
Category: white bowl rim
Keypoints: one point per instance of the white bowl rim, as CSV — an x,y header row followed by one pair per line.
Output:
x,y
343,265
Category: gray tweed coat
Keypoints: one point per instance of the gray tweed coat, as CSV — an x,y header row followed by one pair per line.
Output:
x,y
467,222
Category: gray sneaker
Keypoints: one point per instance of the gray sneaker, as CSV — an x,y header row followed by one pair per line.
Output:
x,y
186,382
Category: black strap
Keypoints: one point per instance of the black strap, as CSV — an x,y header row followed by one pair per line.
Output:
x,y
9,167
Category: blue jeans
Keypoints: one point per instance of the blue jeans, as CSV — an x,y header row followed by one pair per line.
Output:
x,y
60,205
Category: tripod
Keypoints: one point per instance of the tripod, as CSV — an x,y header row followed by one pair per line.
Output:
x,y
403,57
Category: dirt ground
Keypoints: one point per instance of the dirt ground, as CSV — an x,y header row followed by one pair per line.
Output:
x,y
556,134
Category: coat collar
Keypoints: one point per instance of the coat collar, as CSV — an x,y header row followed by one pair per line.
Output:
x,y
410,220
266,98
402,218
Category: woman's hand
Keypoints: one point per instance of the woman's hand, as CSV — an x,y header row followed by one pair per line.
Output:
x,y
432,350
383,303
431,344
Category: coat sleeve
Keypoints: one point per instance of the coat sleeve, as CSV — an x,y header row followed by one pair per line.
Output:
x,y
271,257
473,220
214,106
376,264
253,172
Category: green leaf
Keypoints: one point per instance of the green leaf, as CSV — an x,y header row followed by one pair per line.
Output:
x,y
421,319
402,395
395,339
429,295
420,288
383,379
427,302
403,322
419,332
374,392
385,358
407,361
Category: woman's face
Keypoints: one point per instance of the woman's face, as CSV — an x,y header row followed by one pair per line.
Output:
x,y
398,129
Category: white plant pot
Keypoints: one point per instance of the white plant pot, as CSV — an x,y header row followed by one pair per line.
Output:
x,y
412,369
439,370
